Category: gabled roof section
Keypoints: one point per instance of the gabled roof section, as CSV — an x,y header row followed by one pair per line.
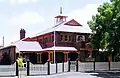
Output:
x,y
72,23
25,46
63,27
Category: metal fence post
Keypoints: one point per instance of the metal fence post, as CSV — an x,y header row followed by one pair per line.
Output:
x,y
69,65
17,71
63,66
94,66
48,67
56,67
109,65
76,65
28,67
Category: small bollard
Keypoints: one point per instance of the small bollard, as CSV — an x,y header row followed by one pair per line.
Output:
x,y
94,66
63,66
69,65
28,67
109,65
48,67
56,67
17,71
76,65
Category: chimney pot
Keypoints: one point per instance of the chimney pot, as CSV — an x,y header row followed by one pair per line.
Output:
x,y
22,33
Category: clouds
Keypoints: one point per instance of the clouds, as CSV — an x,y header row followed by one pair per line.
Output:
x,y
21,1
36,15
26,1
26,19
85,14
1,0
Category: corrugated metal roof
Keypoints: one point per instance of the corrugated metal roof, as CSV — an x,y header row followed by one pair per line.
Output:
x,y
66,28
27,46
35,46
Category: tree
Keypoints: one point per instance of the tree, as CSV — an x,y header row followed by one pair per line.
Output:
x,y
105,27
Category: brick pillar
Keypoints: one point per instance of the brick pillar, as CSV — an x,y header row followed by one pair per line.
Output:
x,y
50,56
65,56
78,55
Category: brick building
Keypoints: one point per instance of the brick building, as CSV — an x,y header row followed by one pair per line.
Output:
x,y
67,39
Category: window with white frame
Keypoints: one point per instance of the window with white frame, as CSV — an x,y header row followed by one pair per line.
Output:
x,y
80,38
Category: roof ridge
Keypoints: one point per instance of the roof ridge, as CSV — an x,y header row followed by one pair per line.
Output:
x,y
51,28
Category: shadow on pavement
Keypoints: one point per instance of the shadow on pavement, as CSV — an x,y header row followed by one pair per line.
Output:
x,y
106,74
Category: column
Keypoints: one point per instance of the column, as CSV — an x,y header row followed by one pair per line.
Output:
x,y
52,60
78,55
65,56
50,56
40,58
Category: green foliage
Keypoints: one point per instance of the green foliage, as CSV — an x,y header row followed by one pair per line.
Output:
x,y
105,26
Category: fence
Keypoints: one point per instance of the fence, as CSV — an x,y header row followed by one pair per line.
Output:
x,y
8,70
38,69
97,66
46,69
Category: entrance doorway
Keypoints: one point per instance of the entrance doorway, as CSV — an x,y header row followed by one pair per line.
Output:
x,y
73,56
59,57
44,57
33,58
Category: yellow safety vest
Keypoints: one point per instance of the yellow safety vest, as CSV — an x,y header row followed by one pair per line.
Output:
x,y
20,62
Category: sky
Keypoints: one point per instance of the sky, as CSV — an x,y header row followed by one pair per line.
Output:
x,y
37,15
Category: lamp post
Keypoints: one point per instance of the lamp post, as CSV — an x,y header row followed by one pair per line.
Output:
x,y
3,41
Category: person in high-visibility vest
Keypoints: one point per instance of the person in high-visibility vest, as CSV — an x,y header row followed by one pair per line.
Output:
x,y
20,61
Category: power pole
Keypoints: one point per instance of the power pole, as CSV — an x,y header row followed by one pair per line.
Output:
x,y
3,41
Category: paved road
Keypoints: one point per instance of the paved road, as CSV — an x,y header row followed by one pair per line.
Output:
x,y
107,74
61,75
100,74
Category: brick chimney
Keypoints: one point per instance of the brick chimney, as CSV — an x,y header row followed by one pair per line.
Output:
x,y
22,34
